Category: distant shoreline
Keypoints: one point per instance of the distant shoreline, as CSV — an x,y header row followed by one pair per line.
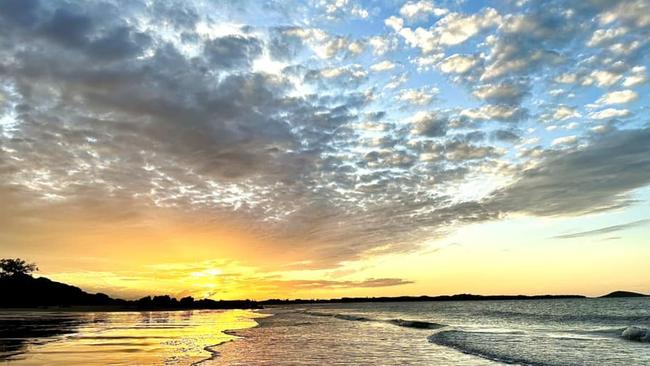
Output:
x,y
23,292
266,304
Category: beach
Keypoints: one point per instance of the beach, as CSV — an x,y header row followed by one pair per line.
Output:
x,y
526,332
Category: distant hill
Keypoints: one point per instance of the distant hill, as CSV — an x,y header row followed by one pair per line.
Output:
x,y
624,294
25,291
458,297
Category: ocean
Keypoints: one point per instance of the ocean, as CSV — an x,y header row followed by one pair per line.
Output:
x,y
530,332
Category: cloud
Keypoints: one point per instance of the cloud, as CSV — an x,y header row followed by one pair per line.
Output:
x,y
506,136
457,64
604,230
232,51
601,176
323,142
562,113
456,28
504,113
380,45
417,96
609,113
566,140
451,30
637,77
618,97
504,93
602,78
430,124
382,66
602,36
420,10
331,284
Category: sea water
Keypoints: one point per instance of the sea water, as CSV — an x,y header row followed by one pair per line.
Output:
x,y
530,332
66,338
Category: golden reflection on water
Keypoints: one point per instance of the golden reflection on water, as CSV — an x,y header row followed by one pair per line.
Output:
x,y
124,338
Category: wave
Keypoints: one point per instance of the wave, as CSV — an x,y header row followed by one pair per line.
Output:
x,y
355,318
416,324
530,348
471,343
637,334
581,318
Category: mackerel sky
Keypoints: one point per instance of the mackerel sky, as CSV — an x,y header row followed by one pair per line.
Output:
x,y
333,130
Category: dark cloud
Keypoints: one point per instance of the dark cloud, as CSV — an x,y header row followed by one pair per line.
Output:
x,y
331,284
505,136
594,178
430,124
232,51
604,230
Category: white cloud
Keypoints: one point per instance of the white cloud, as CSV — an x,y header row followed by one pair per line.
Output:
x,y
380,45
420,10
635,13
618,97
353,71
496,112
425,62
638,77
564,112
359,12
338,8
599,129
456,28
602,78
609,113
396,81
568,78
394,22
457,64
355,47
417,96
453,29
625,48
504,92
566,140
382,66
601,36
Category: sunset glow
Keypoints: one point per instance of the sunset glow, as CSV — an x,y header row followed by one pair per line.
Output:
x,y
320,149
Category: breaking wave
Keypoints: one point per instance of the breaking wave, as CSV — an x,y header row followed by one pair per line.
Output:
x,y
483,345
638,334
416,324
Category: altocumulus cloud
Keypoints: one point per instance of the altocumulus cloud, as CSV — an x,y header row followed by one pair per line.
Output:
x,y
236,109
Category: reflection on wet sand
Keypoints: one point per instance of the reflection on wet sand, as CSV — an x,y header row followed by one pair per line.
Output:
x,y
116,338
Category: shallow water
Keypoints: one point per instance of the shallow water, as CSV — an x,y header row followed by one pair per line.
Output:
x,y
535,332
116,338
482,333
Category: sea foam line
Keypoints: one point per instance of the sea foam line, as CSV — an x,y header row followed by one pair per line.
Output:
x,y
416,324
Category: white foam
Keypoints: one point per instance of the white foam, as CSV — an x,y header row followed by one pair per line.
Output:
x,y
634,333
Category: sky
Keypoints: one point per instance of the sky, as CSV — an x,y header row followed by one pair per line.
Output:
x,y
326,148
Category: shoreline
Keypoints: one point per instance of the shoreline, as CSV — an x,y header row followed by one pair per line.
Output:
x,y
214,353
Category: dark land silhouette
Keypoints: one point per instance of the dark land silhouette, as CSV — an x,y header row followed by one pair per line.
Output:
x,y
25,291
18,289
623,294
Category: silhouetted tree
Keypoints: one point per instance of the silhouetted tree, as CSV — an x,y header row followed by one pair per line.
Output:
x,y
187,302
15,267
